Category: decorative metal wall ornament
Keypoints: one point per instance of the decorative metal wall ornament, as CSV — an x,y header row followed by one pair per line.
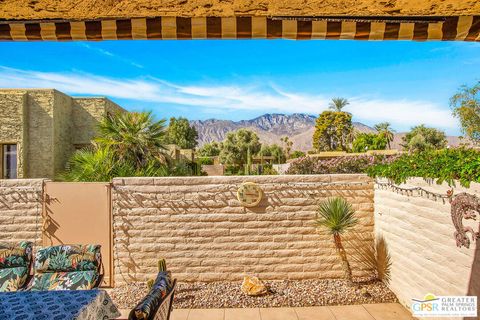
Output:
x,y
464,206
415,191
249,194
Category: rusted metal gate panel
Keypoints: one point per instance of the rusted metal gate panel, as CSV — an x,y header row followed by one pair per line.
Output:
x,y
79,213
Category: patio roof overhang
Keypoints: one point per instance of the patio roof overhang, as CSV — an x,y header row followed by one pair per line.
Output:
x,y
238,19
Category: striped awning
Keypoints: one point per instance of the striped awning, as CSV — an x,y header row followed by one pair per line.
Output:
x,y
460,28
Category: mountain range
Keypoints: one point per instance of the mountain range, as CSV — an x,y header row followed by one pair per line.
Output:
x,y
271,127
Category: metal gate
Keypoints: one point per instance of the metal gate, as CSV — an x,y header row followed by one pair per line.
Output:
x,y
80,213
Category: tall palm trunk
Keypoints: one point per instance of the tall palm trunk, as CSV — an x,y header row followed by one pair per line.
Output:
x,y
343,256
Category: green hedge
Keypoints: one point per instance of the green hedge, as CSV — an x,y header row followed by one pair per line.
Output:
x,y
446,165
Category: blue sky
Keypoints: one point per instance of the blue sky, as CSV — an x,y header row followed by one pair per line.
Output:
x,y
405,83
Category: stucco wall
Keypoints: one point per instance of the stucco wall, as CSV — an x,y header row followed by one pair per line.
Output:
x,y
419,232
198,225
20,210
13,126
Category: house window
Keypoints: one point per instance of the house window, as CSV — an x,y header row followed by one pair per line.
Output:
x,y
9,161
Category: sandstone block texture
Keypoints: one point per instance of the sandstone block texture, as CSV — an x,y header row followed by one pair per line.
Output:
x,y
48,126
21,211
419,233
203,232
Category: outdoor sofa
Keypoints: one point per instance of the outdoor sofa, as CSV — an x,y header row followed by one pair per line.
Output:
x,y
62,267
15,266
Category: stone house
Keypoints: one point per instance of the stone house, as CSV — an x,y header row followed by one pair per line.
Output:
x,y
41,128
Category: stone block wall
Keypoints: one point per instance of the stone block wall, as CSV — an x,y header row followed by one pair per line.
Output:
x,y
87,113
21,210
62,131
40,159
34,131
419,233
199,226
47,125
13,127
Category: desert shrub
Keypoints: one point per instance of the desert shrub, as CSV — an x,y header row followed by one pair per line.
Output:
x,y
422,138
343,164
446,165
369,141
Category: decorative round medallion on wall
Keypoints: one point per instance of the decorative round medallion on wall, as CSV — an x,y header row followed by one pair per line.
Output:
x,y
249,194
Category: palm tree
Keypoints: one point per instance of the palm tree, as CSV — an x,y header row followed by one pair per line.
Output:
x,y
338,104
338,216
134,137
101,165
288,146
385,129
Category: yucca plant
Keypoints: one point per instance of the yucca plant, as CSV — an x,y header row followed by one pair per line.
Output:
x,y
338,216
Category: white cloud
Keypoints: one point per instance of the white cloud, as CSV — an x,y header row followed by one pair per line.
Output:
x,y
110,54
402,112
261,97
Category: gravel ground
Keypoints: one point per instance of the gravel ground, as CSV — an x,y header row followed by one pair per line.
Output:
x,y
281,294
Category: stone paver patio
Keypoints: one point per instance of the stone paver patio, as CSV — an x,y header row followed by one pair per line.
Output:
x,y
381,311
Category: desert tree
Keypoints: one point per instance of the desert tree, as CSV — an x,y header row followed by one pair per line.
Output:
x,y
466,107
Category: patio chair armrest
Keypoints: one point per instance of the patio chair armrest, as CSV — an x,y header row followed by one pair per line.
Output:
x,y
101,274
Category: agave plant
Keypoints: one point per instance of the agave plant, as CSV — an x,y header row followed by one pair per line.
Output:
x,y
338,216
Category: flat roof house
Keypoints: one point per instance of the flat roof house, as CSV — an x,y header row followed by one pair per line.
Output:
x,y
41,128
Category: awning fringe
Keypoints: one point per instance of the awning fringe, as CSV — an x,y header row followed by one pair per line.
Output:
x,y
459,28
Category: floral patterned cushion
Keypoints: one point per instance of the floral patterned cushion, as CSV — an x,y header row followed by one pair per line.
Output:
x,y
18,255
68,258
74,280
67,267
15,261
149,305
12,279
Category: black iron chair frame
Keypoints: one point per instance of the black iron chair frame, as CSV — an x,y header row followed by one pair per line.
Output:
x,y
164,309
